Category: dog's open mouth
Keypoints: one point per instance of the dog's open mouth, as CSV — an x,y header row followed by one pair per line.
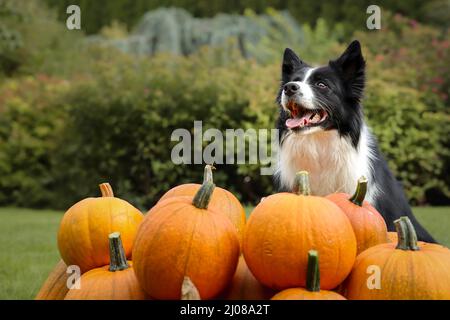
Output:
x,y
302,117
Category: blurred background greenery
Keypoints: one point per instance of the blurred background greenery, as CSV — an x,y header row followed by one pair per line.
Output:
x,y
79,107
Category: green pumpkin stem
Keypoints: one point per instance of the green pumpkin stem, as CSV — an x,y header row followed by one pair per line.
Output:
x,y
207,173
360,193
118,259
203,195
312,272
407,237
301,184
188,290
106,190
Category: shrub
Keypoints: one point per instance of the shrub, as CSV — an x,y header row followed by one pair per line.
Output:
x,y
32,41
407,102
410,135
120,122
30,119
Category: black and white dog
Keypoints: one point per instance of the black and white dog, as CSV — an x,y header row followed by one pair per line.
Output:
x,y
322,131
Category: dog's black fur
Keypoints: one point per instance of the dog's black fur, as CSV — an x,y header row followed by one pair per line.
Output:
x,y
344,80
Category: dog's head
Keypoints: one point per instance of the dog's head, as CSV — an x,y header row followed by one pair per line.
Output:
x,y
323,98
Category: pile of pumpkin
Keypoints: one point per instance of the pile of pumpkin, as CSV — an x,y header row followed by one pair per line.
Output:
x,y
294,246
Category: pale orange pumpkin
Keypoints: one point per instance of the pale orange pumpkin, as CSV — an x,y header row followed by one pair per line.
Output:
x,y
312,290
83,233
244,285
222,199
182,236
55,287
368,224
407,270
285,226
115,281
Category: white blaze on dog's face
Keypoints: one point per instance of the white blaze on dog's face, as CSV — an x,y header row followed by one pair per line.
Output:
x,y
299,99
305,94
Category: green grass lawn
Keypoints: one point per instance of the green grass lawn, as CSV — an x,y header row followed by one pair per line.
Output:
x,y
28,249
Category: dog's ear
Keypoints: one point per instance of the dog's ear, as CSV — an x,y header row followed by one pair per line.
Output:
x,y
351,67
291,62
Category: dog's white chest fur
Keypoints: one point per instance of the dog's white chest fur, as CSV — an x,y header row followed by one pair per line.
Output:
x,y
333,163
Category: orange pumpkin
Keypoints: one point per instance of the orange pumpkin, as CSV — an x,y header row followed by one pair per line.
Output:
x,y
392,237
115,281
244,285
223,200
55,287
181,237
368,224
285,226
409,270
312,290
84,229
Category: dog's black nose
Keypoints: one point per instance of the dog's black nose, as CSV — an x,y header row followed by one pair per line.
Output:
x,y
291,88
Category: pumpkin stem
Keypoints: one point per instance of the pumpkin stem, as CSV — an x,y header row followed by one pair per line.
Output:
x,y
203,195
360,193
106,190
118,259
207,173
407,237
402,234
312,272
301,184
188,290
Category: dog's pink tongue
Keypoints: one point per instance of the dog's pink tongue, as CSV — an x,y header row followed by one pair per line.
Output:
x,y
298,122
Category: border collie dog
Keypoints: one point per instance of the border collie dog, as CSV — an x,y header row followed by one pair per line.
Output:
x,y
322,131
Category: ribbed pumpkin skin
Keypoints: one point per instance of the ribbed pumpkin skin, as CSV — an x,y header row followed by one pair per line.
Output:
x,y
83,233
223,200
175,240
368,224
284,227
244,285
55,287
102,284
405,274
303,294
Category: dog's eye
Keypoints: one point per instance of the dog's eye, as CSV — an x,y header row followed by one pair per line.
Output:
x,y
321,85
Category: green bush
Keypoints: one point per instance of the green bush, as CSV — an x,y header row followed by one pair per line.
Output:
x,y
30,120
32,40
407,103
411,136
120,122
